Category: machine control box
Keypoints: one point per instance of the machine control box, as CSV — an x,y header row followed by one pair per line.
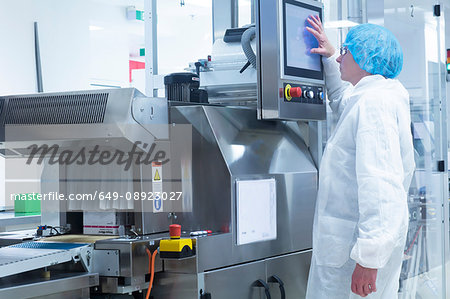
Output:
x,y
290,79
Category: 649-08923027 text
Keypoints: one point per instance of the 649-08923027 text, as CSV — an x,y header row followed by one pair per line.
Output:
x,y
99,196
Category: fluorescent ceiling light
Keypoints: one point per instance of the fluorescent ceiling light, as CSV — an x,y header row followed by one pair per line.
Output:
x,y
340,24
94,28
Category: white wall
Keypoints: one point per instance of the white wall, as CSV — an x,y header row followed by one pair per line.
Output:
x,y
73,55
64,39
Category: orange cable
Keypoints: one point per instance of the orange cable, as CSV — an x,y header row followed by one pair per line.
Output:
x,y
151,269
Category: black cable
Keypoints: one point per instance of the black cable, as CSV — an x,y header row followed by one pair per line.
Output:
x,y
53,228
275,278
262,283
245,67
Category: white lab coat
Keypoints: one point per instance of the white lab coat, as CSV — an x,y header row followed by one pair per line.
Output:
x,y
364,177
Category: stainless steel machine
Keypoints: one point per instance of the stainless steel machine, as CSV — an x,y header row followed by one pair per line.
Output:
x,y
240,181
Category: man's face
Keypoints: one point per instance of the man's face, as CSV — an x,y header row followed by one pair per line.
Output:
x,y
350,70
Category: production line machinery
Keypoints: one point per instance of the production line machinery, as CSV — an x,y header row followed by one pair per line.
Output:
x,y
229,151
238,173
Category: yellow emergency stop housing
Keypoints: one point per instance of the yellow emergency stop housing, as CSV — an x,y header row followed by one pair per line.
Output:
x,y
176,248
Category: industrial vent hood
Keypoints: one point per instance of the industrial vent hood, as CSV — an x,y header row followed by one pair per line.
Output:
x,y
115,118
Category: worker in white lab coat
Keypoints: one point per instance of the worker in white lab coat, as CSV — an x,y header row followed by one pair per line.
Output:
x,y
361,218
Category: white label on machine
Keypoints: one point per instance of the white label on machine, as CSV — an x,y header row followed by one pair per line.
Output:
x,y
157,187
256,211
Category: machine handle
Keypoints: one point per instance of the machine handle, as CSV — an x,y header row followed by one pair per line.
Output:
x,y
263,284
275,278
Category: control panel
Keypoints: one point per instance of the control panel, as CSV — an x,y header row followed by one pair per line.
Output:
x,y
301,93
290,79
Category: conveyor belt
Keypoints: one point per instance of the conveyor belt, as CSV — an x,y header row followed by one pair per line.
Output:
x,y
73,238
44,245
29,256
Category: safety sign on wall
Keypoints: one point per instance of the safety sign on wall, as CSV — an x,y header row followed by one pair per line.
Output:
x,y
157,187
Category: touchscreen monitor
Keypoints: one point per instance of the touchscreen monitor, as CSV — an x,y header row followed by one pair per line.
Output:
x,y
298,61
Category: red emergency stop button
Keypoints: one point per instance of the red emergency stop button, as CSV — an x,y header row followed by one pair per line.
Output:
x,y
175,231
296,92
292,92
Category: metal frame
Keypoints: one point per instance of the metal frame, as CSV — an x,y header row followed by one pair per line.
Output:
x,y
151,47
78,284
18,260
443,153
225,14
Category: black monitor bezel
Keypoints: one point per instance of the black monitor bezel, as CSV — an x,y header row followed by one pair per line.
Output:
x,y
294,71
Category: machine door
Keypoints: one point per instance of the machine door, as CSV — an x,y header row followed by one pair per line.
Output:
x,y
287,275
243,282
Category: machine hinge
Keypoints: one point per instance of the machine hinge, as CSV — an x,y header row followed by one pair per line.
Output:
x,y
441,166
437,10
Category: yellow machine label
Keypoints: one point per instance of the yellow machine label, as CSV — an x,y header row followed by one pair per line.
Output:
x,y
157,177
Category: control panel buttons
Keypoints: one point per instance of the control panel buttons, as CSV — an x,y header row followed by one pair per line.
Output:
x,y
309,94
292,92
321,95
303,93
296,92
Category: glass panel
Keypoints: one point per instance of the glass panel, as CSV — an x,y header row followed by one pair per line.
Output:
x,y
423,76
184,33
245,12
336,30
83,44
116,44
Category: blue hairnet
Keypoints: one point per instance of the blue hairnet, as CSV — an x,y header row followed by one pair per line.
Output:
x,y
375,49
